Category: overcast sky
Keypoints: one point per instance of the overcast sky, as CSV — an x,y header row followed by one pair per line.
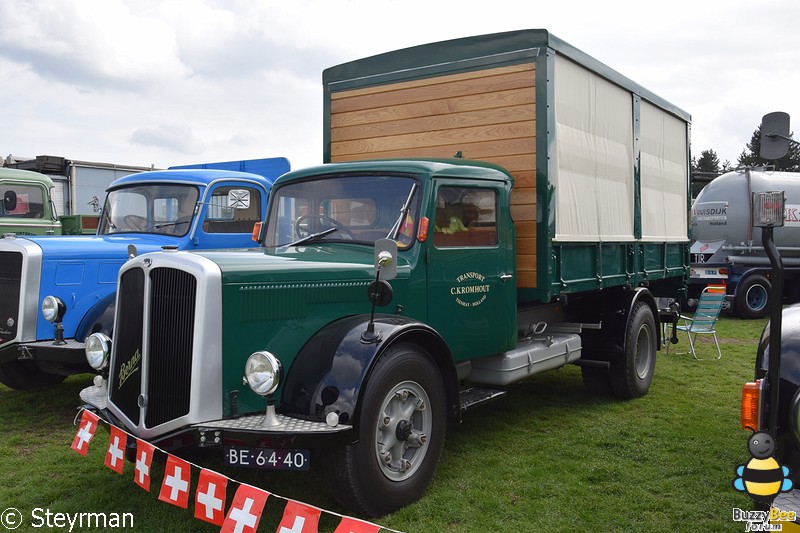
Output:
x,y
167,82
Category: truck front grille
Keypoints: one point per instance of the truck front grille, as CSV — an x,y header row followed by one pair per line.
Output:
x,y
10,280
154,379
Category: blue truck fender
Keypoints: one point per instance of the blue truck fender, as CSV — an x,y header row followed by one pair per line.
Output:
x,y
331,370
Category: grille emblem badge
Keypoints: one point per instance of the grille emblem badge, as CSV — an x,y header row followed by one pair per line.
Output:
x,y
142,401
10,322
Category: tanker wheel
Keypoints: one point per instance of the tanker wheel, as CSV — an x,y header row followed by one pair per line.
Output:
x,y
401,433
23,375
752,297
632,373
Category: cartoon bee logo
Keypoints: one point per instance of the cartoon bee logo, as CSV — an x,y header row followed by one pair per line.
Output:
x,y
762,477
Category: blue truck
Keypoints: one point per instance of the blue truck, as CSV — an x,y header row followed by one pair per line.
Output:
x,y
58,290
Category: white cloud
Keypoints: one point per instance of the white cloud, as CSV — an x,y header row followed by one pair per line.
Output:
x,y
180,81
89,43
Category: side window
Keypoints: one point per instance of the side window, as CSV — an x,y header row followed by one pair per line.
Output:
x,y
465,216
23,201
232,209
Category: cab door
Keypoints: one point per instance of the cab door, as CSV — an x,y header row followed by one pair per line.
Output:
x,y
471,287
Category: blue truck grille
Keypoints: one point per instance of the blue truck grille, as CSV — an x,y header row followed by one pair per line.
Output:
x,y
168,358
10,280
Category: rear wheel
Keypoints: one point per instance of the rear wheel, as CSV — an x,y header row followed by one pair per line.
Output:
x,y
752,296
401,433
24,375
631,374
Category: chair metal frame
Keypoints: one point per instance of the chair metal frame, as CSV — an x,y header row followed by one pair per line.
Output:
x,y
705,318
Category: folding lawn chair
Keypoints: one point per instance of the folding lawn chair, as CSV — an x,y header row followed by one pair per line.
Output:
x,y
705,318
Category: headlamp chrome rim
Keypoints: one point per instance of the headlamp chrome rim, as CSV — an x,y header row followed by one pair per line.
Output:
x,y
52,308
263,372
98,350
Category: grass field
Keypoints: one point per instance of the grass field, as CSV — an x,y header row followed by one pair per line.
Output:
x,y
546,457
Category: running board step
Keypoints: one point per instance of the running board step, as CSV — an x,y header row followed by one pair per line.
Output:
x,y
475,396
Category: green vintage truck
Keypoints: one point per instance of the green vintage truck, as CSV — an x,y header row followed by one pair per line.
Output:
x,y
27,208
518,207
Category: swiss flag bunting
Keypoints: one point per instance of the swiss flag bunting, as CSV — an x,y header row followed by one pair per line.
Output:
x,y
210,497
351,525
177,479
115,456
299,518
245,511
144,457
86,430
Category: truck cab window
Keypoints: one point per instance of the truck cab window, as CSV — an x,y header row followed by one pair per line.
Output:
x,y
357,209
164,209
465,216
232,209
29,202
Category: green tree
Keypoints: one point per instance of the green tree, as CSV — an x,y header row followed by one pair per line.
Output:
x,y
706,169
751,157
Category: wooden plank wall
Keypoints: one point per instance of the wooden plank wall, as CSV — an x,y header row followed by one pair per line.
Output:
x,y
487,115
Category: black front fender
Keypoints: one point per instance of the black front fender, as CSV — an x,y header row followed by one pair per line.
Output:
x,y
332,368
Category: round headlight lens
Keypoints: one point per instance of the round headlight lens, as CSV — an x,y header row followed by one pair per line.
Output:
x,y
52,308
98,348
263,372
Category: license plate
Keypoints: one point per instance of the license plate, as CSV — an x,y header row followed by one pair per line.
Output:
x,y
269,458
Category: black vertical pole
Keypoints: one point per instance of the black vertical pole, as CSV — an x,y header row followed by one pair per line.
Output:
x,y
776,301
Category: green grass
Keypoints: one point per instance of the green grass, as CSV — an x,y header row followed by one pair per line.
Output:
x,y
546,457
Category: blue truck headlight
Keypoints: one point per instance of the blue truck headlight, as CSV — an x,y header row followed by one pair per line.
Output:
x,y
98,348
263,373
53,309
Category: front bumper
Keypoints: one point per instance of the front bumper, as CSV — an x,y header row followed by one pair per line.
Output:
x,y
245,430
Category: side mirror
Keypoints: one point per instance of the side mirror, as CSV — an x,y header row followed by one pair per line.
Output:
x,y
775,135
238,199
9,201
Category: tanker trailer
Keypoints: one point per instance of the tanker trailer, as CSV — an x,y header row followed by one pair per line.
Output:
x,y
726,250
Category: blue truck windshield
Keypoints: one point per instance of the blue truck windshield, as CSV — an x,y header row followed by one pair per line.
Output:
x,y
357,209
164,209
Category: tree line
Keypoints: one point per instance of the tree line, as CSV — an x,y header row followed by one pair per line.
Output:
x,y
708,166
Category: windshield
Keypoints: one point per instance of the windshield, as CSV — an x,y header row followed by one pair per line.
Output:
x,y
358,209
164,209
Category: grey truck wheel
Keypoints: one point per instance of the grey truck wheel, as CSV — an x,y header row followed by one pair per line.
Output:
x,y
632,373
752,297
24,375
401,433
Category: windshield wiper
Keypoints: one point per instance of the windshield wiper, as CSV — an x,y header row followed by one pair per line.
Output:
x,y
311,237
403,212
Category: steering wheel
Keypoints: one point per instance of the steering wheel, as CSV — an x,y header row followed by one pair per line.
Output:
x,y
302,227
135,222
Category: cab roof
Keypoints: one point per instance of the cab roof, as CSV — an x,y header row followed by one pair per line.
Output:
x,y
429,168
200,177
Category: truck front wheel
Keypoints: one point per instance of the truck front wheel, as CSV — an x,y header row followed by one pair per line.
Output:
x,y
752,296
22,375
632,373
401,434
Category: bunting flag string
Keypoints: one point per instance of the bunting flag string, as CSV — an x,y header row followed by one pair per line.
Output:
x,y
210,494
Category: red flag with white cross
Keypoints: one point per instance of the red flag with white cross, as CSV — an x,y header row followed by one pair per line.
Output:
x,y
245,511
351,525
115,456
86,430
210,497
144,457
299,518
175,486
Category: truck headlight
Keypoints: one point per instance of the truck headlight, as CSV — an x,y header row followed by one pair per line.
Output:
x,y
98,348
263,373
53,309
